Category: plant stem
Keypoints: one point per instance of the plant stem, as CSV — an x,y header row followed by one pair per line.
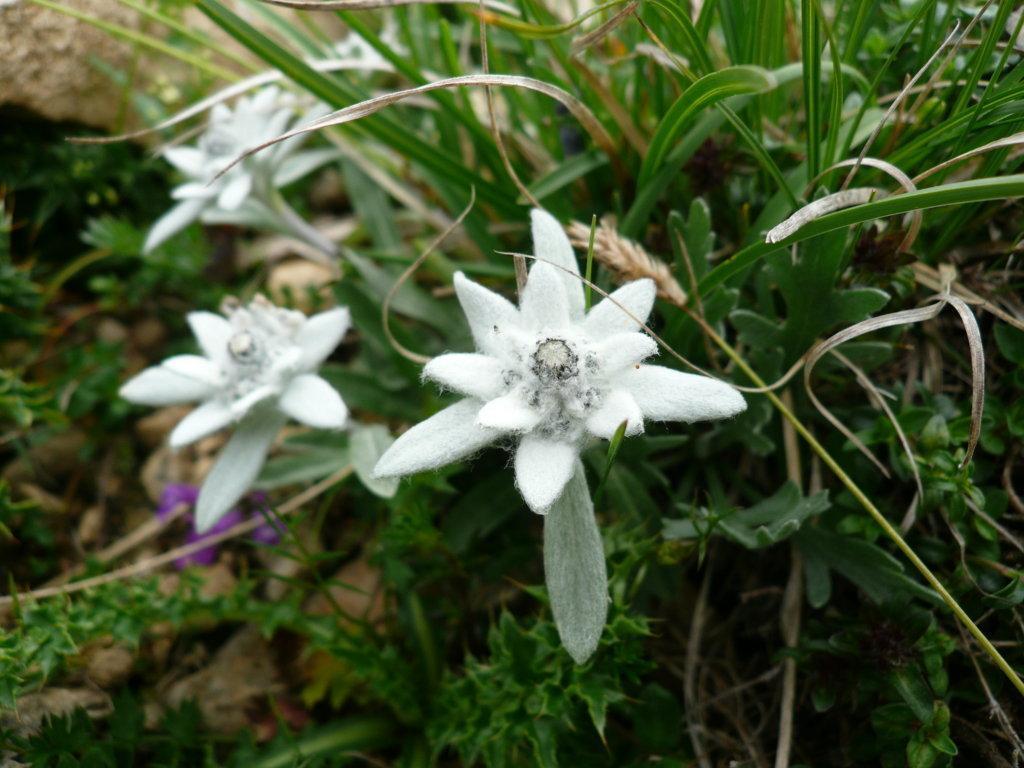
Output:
x,y
872,510
296,225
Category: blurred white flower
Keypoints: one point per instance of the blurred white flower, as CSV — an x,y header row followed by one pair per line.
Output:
x,y
355,46
247,193
550,376
257,369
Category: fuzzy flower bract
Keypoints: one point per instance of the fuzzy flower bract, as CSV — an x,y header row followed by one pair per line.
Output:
x,y
549,376
245,194
258,368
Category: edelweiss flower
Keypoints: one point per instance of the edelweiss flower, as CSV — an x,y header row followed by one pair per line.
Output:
x,y
254,120
551,376
355,46
257,369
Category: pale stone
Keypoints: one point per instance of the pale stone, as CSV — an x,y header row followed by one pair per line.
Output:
x,y
297,281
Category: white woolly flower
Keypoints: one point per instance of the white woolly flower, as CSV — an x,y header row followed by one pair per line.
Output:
x,y
550,376
257,369
244,194
355,46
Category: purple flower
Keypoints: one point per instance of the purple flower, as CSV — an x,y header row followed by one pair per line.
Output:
x,y
173,495
208,555
272,530
256,503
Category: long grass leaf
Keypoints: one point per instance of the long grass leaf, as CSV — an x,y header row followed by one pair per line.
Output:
x,y
226,94
370,106
810,42
189,33
369,5
957,193
707,91
684,32
338,93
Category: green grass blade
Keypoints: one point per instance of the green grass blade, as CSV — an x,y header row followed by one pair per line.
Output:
x,y
466,118
869,98
707,91
958,193
648,195
338,93
573,168
685,35
810,42
286,30
187,32
835,112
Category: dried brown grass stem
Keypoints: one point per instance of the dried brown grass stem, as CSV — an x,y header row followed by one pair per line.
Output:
x,y
626,258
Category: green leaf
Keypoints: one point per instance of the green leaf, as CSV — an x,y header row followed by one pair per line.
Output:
x,y
1007,597
710,89
810,41
367,443
955,193
338,93
914,690
648,195
935,434
574,569
868,566
921,754
762,525
305,462
594,691
823,698
683,34
699,238
349,734
1010,341
656,717
813,304
567,172
613,450
817,580
372,207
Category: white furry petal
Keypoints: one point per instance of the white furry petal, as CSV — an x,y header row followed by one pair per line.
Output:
x,y
624,349
545,304
194,367
188,160
447,436
474,375
212,331
551,244
509,413
204,420
618,406
235,192
172,222
158,386
608,317
320,334
487,313
664,394
313,401
543,467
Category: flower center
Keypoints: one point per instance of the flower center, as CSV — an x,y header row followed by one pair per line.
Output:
x,y
561,381
554,361
243,348
218,142
262,356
